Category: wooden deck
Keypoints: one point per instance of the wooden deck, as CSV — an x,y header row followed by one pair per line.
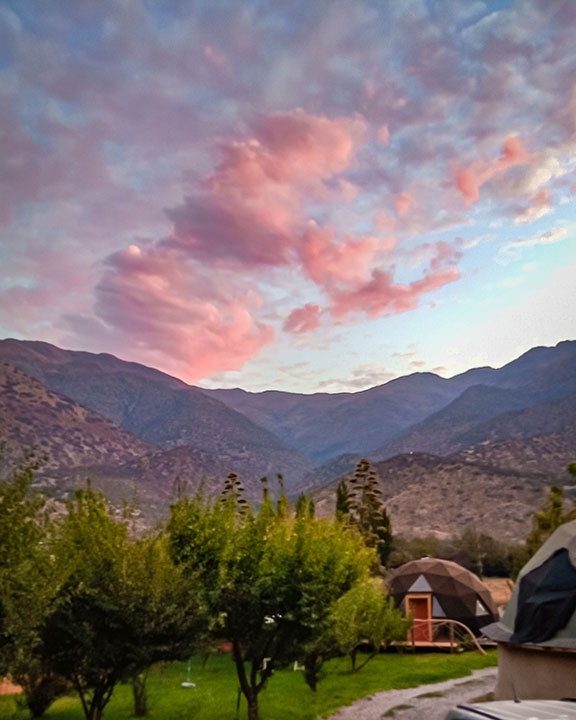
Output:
x,y
447,645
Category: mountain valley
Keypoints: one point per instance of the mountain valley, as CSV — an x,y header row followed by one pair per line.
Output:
x,y
479,448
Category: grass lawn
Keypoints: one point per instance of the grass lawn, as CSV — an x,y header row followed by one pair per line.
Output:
x,y
286,696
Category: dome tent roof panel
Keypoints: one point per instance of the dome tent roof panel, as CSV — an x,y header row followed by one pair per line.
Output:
x,y
420,585
563,539
437,609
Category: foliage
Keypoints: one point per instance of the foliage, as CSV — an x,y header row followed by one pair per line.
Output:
x,y
342,500
477,552
551,515
366,615
124,604
359,501
28,583
270,576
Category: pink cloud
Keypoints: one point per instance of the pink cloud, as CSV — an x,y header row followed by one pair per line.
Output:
x,y
303,320
469,180
379,295
382,296
252,212
215,56
156,300
384,222
383,134
252,207
404,202
327,261
444,255
183,297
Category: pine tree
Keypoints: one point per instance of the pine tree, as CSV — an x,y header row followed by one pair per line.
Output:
x,y
360,501
342,500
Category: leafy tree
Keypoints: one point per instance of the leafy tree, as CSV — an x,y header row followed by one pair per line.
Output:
x,y
342,500
270,577
475,551
360,502
305,506
365,614
169,618
28,583
124,606
551,515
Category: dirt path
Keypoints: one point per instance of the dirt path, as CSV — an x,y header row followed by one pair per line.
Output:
x,y
431,702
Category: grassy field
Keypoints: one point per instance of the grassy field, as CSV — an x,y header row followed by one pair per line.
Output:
x,y
286,697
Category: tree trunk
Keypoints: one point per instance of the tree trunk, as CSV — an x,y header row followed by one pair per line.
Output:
x,y
312,666
249,689
140,694
353,658
40,691
94,707
253,705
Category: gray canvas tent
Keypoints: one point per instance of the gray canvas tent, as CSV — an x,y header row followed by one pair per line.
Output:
x,y
537,634
434,590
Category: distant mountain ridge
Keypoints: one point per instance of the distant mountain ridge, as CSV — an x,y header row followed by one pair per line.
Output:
x,y
475,415
161,410
139,432
375,421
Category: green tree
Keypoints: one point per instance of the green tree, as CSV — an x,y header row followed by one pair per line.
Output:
x,y
270,577
123,606
342,500
551,515
360,501
29,580
168,617
366,615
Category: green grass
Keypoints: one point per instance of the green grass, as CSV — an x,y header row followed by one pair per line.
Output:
x,y
286,697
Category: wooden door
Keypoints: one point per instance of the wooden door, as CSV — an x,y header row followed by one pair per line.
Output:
x,y
419,607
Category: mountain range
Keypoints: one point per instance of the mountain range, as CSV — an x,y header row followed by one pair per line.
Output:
x,y
440,445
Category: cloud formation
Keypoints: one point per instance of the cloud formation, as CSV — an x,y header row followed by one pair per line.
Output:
x,y
157,298
470,179
252,216
512,250
277,169
304,319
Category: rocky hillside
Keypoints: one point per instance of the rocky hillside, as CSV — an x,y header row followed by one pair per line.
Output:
x,y
158,408
426,494
548,453
65,433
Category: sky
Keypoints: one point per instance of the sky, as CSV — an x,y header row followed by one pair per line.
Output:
x,y
304,196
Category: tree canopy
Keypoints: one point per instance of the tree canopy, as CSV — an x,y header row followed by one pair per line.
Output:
x,y
270,576
359,502
123,605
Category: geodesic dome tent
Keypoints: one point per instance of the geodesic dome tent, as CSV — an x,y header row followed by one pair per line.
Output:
x,y
537,634
442,590
542,609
